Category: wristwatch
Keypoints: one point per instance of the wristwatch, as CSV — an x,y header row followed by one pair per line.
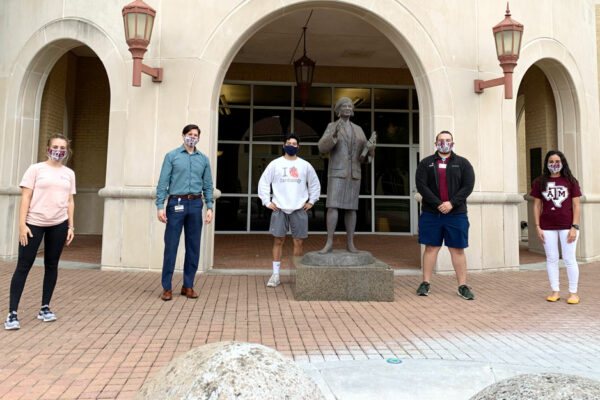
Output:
x,y
71,228
575,226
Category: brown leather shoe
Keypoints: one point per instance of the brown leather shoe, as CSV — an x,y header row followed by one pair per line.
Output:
x,y
189,293
167,295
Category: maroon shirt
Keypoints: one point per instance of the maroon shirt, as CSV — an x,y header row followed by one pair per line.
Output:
x,y
557,202
443,181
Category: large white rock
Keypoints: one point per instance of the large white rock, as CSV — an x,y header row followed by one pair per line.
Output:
x,y
542,386
230,370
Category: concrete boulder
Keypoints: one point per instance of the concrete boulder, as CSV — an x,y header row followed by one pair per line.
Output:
x,y
542,386
230,370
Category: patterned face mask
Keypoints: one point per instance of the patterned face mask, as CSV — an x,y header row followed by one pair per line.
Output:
x,y
444,147
57,155
190,141
555,167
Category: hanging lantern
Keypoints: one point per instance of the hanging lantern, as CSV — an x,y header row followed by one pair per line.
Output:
x,y
304,68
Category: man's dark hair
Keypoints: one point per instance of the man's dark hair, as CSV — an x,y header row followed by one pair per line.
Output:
x,y
189,127
448,132
292,136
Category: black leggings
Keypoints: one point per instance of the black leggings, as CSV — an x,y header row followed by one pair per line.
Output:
x,y
54,241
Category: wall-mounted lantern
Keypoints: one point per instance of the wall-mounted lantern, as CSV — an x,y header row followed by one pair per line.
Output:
x,y
139,19
508,35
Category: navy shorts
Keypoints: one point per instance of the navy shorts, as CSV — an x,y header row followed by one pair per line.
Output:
x,y
452,229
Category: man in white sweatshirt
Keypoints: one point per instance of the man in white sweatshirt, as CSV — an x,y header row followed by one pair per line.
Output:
x,y
296,188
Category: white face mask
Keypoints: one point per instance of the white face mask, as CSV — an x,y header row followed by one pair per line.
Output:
x,y
555,167
190,141
444,147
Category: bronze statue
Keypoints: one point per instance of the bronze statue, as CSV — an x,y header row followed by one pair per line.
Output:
x,y
348,147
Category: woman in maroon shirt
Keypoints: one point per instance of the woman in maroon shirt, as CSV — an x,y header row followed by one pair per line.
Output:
x,y
556,212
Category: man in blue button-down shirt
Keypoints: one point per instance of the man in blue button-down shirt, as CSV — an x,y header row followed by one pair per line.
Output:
x,y
185,176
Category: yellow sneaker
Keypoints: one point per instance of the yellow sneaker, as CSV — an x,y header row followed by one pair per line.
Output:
x,y
573,301
552,298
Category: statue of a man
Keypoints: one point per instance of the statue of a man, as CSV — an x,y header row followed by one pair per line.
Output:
x,y
348,147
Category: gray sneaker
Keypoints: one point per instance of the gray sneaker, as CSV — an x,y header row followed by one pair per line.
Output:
x,y
423,289
46,315
11,321
465,292
273,281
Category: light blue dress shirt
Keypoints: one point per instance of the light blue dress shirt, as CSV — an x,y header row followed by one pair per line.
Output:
x,y
184,173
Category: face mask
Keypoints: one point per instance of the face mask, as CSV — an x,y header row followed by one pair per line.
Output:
x,y
554,167
190,141
290,150
57,155
444,147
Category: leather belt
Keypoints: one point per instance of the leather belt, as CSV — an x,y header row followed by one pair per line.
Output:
x,y
186,196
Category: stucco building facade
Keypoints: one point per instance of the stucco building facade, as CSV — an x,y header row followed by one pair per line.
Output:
x,y
409,65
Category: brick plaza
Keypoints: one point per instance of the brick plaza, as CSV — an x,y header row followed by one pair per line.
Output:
x,y
113,332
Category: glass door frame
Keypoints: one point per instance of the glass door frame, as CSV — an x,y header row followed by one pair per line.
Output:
x,y
412,147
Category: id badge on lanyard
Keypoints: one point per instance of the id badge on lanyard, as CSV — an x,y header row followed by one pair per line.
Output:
x,y
179,207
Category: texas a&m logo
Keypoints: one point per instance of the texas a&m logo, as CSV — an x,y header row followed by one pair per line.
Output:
x,y
556,194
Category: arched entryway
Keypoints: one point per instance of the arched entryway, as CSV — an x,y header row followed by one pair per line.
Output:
x,y
64,62
547,117
394,101
76,103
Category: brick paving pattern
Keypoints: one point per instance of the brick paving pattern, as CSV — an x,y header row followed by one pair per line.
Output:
x,y
85,249
113,332
529,257
253,251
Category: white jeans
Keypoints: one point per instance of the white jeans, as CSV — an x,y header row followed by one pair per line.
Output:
x,y
568,254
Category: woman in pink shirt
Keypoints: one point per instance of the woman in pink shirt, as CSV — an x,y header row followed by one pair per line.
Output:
x,y
556,214
46,212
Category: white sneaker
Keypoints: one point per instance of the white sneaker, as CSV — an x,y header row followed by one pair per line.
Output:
x,y
274,281
46,315
12,322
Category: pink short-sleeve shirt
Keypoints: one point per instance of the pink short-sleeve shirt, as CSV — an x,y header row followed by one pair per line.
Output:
x,y
52,188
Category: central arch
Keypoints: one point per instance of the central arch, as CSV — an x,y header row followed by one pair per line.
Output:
x,y
413,42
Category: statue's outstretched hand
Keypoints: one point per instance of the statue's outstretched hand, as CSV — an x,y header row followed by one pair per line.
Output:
x,y
372,140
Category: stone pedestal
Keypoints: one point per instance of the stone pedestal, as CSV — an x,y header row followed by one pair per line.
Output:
x,y
362,278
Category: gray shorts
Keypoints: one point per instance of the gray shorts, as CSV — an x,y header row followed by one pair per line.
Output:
x,y
296,221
